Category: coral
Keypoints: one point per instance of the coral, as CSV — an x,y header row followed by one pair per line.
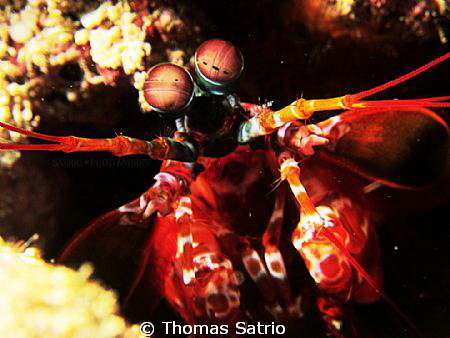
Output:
x,y
32,40
373,20
39,299
116,38
120,45
64,48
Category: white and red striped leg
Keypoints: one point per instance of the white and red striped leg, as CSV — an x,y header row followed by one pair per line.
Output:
x,y
183,216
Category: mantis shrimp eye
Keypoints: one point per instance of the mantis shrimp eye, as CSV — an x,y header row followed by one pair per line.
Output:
x,y
169,90
218,64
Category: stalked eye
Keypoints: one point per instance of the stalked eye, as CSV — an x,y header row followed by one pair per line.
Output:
x,y
169,89
218,64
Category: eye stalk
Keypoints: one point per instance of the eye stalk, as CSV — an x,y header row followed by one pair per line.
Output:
x,y
169,90
218,64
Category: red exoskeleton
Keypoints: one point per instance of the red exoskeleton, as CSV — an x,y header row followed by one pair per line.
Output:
x,y
215,235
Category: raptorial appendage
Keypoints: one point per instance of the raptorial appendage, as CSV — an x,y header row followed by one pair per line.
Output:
x,y
333,239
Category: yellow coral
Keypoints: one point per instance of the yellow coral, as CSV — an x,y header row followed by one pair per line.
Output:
x,y
82,37
115,40
95,18
38,299
38,50
36,37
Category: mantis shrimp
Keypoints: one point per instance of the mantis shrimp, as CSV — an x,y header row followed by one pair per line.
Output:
x,y
190,236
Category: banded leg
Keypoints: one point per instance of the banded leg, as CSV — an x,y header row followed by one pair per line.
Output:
x,y
214,296
183,217
273,258
169,193
254,265
240,248
271,277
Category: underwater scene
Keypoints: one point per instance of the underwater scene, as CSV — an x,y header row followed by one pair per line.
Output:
x,y
224,168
